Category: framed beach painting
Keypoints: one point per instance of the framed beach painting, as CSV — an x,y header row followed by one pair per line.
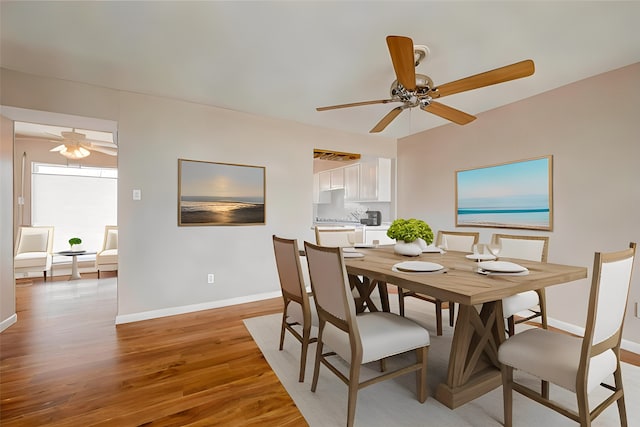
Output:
x,y
509,195
220,193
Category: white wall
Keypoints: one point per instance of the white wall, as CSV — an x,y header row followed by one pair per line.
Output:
x,y
7,288
592,129
163,267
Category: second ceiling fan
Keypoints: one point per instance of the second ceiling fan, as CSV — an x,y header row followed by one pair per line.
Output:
x,y
418,90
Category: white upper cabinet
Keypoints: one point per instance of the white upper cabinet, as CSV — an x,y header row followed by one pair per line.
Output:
x,y
319,195
375,180
352,183
367,181
337,178
324,181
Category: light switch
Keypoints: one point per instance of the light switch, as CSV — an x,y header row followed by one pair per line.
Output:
x,y
137,195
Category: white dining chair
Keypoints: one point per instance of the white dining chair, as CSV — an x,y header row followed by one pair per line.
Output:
x,y
460,241
299,311
531,248
577,364
362,338
346,237
336,236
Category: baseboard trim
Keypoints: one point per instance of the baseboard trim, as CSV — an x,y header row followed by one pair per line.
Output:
x,y
173,311
8,322
631,346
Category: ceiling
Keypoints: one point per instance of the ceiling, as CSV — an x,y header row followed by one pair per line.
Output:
x,y
283,59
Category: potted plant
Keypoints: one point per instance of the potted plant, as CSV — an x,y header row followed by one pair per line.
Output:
x,y
411,235
74,241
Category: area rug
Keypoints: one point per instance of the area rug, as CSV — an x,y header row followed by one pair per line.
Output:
x,y
393,402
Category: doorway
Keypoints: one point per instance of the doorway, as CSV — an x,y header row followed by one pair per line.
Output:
x,y
37,140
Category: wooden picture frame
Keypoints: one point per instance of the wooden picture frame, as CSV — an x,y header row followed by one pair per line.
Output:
x,y
516,194
211,193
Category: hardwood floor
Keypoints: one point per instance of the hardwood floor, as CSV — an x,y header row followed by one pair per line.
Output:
x,y
65,363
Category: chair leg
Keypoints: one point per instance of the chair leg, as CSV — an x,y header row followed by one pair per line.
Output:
x,y
354,379
421,374
316,365
622,411
306,335
507,395
282,329
452,312
511,328
438,317
583,407
401,300
542,302
544,386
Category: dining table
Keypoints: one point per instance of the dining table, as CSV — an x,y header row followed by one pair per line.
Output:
x,y
473,367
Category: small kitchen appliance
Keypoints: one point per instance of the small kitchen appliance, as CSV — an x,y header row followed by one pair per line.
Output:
x,y
373,218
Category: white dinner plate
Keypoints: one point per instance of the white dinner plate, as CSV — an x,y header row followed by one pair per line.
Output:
x,y
418,266
501,266
480,257
352,254
348,249
432,250
363,245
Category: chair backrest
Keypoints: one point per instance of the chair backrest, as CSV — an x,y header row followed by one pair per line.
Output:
x,y
34,239
289,269
110,237
335,236
461,241
531,248
608,299
330,285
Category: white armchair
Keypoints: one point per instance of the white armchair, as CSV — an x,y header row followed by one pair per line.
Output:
x,y
107,257
34,250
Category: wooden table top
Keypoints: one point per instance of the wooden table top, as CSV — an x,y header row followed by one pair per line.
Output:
x,y
460,282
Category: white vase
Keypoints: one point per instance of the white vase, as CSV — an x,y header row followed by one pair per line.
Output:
x,y
407,248
420,242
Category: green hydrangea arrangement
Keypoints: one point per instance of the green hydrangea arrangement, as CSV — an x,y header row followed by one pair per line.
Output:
x,y
409,230
74,241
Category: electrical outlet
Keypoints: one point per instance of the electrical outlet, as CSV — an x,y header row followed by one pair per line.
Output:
x,y
210,278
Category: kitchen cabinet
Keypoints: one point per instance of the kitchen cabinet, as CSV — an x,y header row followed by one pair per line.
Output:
x,y
320,196
375,180
324,181
367,181
352,183
337,178
378,233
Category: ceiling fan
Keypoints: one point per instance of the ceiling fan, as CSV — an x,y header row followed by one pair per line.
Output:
x,y
418,90
75,145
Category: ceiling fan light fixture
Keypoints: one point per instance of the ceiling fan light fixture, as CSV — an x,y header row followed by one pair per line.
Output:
x,y
74,152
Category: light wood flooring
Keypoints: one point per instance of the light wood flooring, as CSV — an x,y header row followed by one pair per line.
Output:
x,y
65,363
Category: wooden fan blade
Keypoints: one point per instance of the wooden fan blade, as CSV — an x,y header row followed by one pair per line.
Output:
x,y
387,119
355,104
488,78
403,58
449,113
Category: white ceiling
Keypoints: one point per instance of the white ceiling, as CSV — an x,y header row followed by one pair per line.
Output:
x,y
283,59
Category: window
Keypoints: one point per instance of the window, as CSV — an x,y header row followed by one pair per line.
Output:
x,y
77,201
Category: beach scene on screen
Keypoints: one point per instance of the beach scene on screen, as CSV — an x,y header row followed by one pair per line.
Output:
x,y
512,195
